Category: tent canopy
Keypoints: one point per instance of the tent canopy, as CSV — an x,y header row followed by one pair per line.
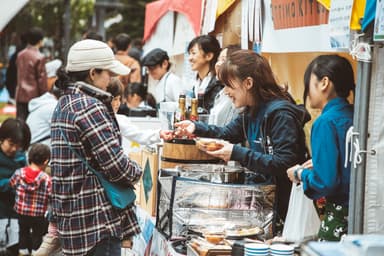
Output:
x,y
155,10
9,8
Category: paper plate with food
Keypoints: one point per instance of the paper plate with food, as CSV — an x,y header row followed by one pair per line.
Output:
x,y
209,144
243,232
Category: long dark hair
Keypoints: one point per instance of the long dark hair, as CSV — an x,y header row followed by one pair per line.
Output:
x,y
338,69
17,131
208,44
245,63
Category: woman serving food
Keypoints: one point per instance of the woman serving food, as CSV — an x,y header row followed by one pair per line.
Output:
x,y
271,126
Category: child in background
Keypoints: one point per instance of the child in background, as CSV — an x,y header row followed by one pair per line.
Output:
x,y
129,131
15,137
137,99
328,82
33,187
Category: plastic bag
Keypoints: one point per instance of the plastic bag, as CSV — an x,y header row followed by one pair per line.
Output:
x,y
9,234
302,220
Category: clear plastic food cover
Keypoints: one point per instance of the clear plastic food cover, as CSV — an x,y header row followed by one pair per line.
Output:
x,y
186,205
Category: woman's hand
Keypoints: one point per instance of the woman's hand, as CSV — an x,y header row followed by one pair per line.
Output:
x,y
184,128
296,178
166,134
224,153
308,164
291,173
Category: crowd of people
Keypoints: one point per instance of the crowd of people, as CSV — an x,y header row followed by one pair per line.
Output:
x,y
72,119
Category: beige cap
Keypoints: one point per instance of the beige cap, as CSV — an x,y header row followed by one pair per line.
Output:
x,y
87,54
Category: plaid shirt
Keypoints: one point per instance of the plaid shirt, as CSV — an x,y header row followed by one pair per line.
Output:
x,y
84,214
31,197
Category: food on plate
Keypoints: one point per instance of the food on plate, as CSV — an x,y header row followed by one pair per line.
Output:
x,y
207,144
241,232
213,146
214,238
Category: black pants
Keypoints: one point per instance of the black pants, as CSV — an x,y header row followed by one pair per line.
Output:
x,y
32,230
110,246
22,110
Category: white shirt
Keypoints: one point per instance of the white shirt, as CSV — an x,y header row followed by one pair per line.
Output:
x,y
201,85
168,88
39,118
131,133
223,110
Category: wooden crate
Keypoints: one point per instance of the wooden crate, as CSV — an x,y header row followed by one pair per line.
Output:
x,y
136,156
153,160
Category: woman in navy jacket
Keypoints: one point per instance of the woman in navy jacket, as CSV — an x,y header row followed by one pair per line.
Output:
x,y
271,126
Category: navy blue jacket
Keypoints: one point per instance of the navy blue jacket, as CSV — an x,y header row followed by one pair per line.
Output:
x,y
276,142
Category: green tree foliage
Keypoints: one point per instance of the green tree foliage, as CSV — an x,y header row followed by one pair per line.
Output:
x,y
133,14
48,14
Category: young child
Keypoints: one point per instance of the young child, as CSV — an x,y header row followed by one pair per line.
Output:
x,y
15,137
129,131
328,82
33,187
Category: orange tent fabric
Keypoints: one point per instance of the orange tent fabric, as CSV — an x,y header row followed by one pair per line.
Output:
x,y
155,10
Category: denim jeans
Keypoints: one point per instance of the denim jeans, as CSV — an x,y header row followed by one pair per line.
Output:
x,y
107,247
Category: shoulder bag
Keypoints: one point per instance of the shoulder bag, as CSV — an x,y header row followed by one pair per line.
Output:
x,y
118,195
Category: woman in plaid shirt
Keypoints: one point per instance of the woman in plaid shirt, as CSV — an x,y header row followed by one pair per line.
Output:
x,y
87,222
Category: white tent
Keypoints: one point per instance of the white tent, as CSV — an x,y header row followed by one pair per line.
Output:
x,y
8,9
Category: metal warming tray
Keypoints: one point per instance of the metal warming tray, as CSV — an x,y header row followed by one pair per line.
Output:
x,y
216,173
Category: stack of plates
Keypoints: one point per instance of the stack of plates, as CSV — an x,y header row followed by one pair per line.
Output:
x,y
281,250
255,249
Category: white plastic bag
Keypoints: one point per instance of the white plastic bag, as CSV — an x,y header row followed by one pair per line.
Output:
x,y
302,220
9,232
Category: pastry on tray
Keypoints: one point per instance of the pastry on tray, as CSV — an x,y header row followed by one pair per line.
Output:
x,y
209,144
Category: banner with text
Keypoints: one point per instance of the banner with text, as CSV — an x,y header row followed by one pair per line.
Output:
x,y
297,13
295,26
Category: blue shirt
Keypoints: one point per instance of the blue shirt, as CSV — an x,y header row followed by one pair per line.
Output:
x,y
329,177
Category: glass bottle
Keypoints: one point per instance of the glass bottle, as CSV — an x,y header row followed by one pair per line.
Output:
x,y
194,115
200,109
180,112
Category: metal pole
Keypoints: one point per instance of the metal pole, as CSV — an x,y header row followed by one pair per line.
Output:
x,y
360,124
100,16
67,28
101,8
